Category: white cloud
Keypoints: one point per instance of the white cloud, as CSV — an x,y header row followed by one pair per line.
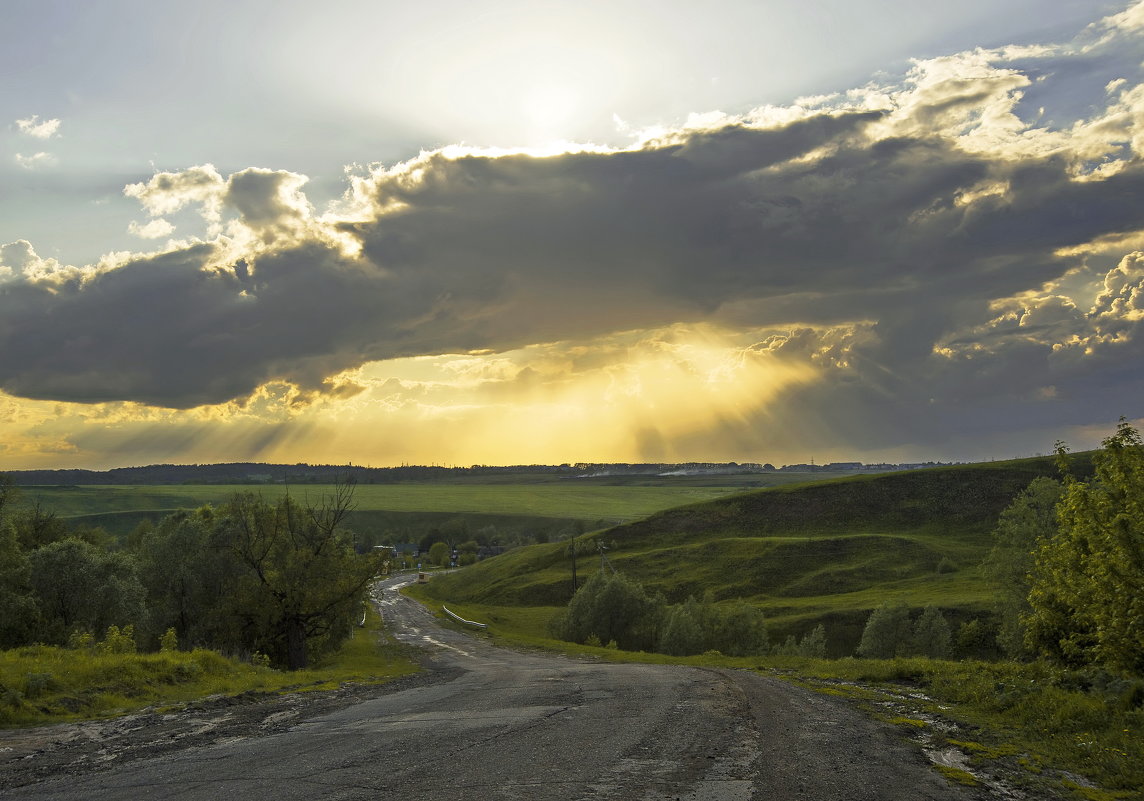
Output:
x,y
41,129
167,192
36,160
154,229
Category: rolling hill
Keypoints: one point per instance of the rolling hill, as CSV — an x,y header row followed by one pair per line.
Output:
x,y
825,552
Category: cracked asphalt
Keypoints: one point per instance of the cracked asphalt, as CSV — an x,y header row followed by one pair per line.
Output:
x,y
491,723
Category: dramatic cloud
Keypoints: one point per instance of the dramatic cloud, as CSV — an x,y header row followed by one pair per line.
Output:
x,y
894,264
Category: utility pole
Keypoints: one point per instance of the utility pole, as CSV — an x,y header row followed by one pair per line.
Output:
x,y
577,530
574,585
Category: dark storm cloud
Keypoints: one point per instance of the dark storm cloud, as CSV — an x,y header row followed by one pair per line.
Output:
x,y
891,223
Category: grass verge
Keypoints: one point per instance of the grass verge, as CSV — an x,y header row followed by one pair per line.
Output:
x,y
46,684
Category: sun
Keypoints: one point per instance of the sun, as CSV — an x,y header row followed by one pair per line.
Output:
x,y
549,110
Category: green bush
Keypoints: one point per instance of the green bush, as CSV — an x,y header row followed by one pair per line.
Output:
x,y
36,684
118,641
169,642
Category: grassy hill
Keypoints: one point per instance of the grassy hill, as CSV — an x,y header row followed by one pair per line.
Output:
x,y
824,552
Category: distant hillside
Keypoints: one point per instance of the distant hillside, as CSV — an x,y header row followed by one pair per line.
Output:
x,y
821,552
260,473
694,473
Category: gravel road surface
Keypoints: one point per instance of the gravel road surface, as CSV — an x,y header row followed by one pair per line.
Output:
x,y
488,723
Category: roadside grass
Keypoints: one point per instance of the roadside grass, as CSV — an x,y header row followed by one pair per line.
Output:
x,y
1039,728
46,684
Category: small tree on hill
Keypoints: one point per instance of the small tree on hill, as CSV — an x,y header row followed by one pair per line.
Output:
x,y
931,635
612,607
887,632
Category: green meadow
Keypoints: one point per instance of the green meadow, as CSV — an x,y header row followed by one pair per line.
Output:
x,y
518,508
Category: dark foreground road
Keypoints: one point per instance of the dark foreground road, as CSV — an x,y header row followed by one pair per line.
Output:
x,y
520,726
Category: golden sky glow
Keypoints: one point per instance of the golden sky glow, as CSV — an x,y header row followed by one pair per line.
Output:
x,y
627,397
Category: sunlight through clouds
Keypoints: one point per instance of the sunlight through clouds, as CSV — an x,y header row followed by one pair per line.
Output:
x,y
913,262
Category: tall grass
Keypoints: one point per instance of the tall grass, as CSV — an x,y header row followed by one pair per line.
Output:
x,y
45,683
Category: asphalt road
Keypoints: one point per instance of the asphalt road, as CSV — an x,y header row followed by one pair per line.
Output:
x,y
524,726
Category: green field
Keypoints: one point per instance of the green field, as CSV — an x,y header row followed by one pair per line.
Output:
x,y
553,507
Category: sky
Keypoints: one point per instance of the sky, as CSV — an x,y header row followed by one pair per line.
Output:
x,y
545,232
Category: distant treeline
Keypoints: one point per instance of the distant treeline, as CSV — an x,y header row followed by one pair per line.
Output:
x,y
302,473
259,473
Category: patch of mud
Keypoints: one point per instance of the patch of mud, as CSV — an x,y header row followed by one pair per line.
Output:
x,y
33,754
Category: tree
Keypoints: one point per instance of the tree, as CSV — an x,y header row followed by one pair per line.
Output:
x,y
79,586
302,583
439,554
1087,593
736,629
1028,520
36,527
931,635
191,577
682,632
18,610
612,607
887,632
813,644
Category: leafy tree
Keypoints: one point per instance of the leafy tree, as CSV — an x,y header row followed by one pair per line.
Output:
x,y
976,640
735,629
439,554
887,632
612,607
79,586
682,631
36,527
1087,593
813,644
931,635
302,582
1029,519
19,612
191,577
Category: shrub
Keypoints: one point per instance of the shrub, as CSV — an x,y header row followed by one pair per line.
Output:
x,y
36,684
611,607
118,641
169,642
682,634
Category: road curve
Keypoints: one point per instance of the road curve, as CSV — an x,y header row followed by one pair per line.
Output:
x,y
528,726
